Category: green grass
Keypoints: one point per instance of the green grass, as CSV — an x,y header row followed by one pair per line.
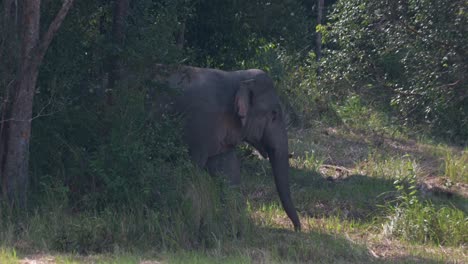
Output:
x,y
389,167
201,258
456,166
8,256
424,223
421,221
310,161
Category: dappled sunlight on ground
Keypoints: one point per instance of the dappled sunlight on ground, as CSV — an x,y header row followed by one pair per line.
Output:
x,y
341,152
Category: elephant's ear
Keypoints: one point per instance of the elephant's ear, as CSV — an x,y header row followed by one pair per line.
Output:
x,y
243,99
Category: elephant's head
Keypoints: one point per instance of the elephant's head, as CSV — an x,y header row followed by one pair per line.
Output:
x,y
258,107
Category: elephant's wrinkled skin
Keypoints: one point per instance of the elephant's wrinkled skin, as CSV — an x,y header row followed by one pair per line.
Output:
x,y
225,108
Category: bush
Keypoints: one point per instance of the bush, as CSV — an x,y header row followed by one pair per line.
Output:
x,y
102,157
405,58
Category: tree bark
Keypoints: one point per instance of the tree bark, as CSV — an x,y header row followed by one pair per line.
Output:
x,y
180,38
318,37
17,111
8,41
118,35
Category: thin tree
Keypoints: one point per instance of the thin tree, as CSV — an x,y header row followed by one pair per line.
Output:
x,y
118,38
318,36
15,127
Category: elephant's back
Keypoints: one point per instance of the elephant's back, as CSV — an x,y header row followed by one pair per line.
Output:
x,y
208,89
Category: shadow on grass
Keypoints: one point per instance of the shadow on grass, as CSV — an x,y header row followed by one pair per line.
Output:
x,y
272,245
356,197
282,245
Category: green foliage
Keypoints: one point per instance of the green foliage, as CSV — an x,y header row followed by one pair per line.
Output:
x,y
421,221
107,159
224,34
299,88
88,151
356,114
403,55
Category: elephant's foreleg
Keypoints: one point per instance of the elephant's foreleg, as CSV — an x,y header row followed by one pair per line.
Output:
x,y
199,158
226,164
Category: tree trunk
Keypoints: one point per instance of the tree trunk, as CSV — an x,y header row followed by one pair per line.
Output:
x,y
180,37
118,35
318,37
15,129
9,46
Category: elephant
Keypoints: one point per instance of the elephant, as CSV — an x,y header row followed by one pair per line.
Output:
x,y
225,108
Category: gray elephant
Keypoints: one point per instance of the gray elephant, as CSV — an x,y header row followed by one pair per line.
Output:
x,y
225,108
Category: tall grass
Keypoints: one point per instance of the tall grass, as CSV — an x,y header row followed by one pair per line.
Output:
x,y
421,221
357,114
456,167
208,213
378,165
8,256
310,161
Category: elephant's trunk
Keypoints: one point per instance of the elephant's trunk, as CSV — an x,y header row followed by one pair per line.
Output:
x,y
279,159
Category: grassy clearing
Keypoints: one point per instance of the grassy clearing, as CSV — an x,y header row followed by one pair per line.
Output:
x,y
370,207
374,195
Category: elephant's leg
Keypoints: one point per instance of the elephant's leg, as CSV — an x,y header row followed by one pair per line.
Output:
x,y
202,134
199,158
226,164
